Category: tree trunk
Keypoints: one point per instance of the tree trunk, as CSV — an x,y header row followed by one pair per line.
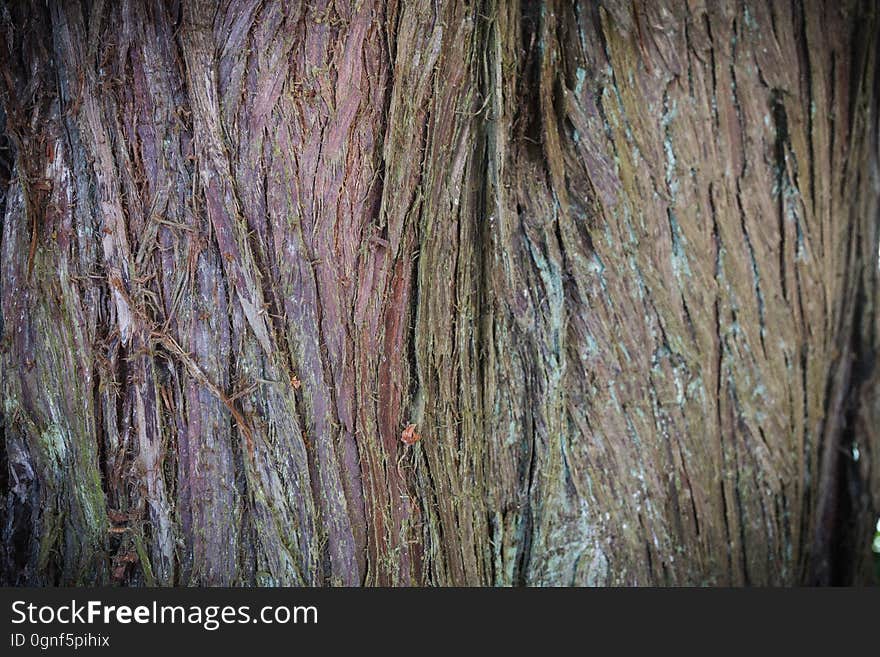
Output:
x,y
615,264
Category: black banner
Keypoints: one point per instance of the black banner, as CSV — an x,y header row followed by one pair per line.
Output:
x,y
85,621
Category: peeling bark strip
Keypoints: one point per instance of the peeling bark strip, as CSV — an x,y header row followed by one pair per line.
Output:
x,y
400,292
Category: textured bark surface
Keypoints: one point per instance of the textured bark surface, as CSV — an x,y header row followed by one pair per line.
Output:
x,y
617,262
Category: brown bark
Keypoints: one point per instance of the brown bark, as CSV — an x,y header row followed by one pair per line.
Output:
x,y
615,263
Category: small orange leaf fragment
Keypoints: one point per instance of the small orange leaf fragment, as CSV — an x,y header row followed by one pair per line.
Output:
x,y
410,437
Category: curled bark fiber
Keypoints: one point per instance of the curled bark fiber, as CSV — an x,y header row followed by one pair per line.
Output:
x,y
609,268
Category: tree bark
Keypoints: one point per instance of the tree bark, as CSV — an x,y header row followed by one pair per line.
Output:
x,y
614,263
